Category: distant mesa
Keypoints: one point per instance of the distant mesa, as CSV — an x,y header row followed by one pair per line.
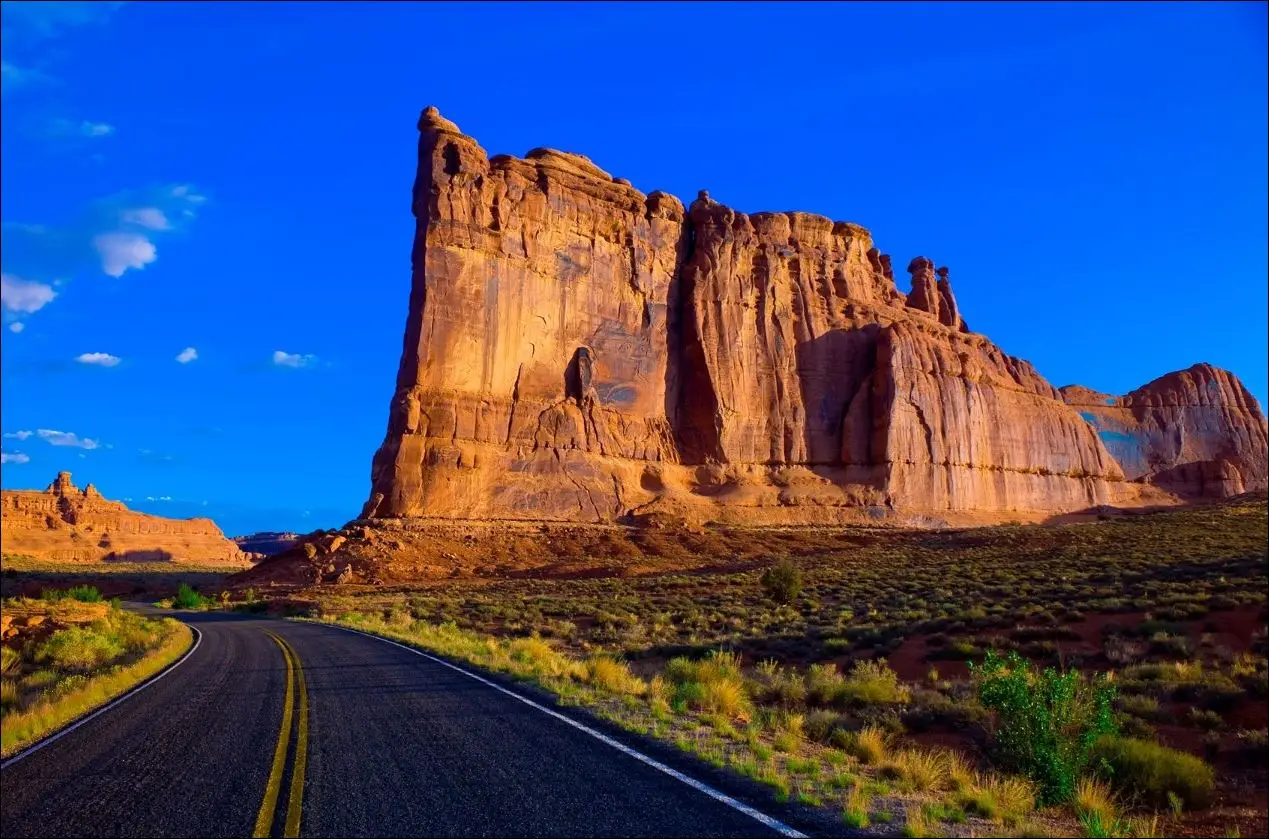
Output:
x,y
63,523
576,350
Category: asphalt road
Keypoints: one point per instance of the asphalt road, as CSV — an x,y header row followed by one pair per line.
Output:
x,y
390,744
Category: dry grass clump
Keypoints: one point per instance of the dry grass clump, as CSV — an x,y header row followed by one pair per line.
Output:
x,y
873,683
823,684
1006,799
713,685
539,656
917,824
1093,799
613,676
870,746
916,770
856,807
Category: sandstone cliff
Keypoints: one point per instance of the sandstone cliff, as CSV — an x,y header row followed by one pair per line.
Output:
x,y
66,524
1196,432
578,350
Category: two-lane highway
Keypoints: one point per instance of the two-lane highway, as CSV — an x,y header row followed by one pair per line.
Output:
x,y
278,728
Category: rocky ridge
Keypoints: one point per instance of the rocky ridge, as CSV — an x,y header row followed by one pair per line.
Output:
x,y
66,524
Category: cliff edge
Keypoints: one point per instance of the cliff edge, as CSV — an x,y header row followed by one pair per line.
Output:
x,y
66,524
577,350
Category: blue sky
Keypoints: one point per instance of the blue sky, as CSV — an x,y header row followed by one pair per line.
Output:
x,y
235,178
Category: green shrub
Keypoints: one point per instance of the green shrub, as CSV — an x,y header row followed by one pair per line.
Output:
x,y
78,648
873,683
1048,721
187,598
782,583
1152,771
820,724
712,684
84,594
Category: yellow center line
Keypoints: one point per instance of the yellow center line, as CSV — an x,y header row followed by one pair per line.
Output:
x,y
301,753
264,819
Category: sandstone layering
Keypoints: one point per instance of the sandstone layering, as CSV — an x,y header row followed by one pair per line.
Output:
x,y
577,350
66,524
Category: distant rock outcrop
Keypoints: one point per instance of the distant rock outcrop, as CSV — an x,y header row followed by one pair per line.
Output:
x,y
578,350
66,524
267,542
1195,432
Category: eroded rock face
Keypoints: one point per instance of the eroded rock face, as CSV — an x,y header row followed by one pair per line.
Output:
x,y
65,524
1196,432
578,350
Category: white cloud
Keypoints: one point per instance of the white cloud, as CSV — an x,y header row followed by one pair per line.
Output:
x,y
187,192
96,129
65,129
101,359
159,498
23,26
187,355
19,435
286,359
121,251
5,457
66,438
13,77
148,217
116,234
19,295
16,327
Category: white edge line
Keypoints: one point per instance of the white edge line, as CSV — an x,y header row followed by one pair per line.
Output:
x,y
770,822
35,747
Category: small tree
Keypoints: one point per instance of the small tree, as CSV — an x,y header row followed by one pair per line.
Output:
x,y
188,598
783,582
1047,721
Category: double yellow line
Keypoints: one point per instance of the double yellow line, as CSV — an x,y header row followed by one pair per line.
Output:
x,y
264,820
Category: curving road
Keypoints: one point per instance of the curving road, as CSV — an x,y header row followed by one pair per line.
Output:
x,y
386,742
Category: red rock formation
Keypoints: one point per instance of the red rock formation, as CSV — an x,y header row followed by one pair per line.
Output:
x,y
1197,432
64,524
577,350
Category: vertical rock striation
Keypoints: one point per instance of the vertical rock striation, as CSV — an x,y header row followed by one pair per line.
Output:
x,y
578,350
